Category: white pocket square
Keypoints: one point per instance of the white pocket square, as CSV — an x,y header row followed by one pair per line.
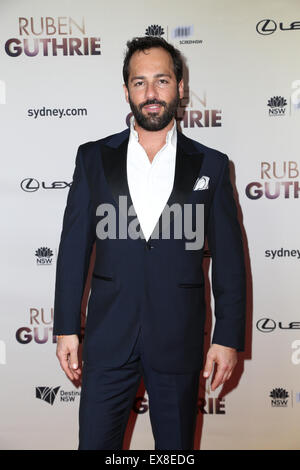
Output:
x,y
201,183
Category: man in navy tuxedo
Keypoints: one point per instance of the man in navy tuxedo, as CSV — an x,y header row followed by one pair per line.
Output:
x,y
136,195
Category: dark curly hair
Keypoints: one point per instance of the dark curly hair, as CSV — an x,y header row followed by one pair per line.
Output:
x,y
147,42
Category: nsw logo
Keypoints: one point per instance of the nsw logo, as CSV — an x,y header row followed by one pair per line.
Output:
x,y
279,397
277,106
155,30
44,256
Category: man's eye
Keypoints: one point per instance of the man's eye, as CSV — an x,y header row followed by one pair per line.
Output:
x,y
163,81
138,83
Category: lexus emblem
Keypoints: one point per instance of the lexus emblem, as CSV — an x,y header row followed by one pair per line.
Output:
x,y
266,27
30,185
266,325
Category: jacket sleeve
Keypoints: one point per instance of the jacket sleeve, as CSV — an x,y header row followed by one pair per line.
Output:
x,y
228,266
74,253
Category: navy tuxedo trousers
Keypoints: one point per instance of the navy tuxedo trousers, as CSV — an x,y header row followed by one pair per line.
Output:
x,y
108,395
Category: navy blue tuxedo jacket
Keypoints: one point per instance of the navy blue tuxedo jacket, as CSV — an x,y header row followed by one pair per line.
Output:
x,y
158,285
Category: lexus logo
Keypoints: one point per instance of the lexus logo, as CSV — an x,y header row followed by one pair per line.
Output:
x,y
266,325
266,27
31,185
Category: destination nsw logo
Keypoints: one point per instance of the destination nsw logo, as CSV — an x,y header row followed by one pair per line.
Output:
x,y
51,36
277,180
46,394
49,394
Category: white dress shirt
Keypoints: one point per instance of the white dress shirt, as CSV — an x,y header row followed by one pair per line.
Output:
x,y
150,184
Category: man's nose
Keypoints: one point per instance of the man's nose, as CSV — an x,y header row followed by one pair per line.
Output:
x,y
151,91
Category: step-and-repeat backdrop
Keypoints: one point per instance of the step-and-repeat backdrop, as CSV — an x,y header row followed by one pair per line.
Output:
x,y
60,86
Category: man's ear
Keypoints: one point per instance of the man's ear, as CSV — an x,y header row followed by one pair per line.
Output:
x,y
181,88
126,92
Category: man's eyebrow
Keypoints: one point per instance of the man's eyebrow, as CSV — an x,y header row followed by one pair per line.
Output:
x,y
137,77
158,75
142,77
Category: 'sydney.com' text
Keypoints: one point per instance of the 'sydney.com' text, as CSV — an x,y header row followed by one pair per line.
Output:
x,y
56,112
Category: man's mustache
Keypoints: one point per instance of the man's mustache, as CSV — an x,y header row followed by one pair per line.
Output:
x,y
154,101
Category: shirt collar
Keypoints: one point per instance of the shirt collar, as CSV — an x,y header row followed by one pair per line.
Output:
x,y
171,135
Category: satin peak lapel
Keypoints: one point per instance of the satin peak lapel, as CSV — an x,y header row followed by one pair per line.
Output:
x,y
114,164
115,169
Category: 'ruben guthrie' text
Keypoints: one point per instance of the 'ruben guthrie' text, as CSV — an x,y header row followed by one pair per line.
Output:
x,y
30,42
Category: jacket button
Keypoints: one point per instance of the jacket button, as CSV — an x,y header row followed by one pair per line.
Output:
x,y
149,247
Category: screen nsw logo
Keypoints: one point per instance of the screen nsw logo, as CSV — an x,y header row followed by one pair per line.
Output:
x,y
183,34
52,36
182,31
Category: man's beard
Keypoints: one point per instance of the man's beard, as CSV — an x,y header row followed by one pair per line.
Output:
x,y
152,121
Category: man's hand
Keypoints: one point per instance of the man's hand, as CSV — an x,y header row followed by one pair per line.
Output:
x,y
225,358
67,353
